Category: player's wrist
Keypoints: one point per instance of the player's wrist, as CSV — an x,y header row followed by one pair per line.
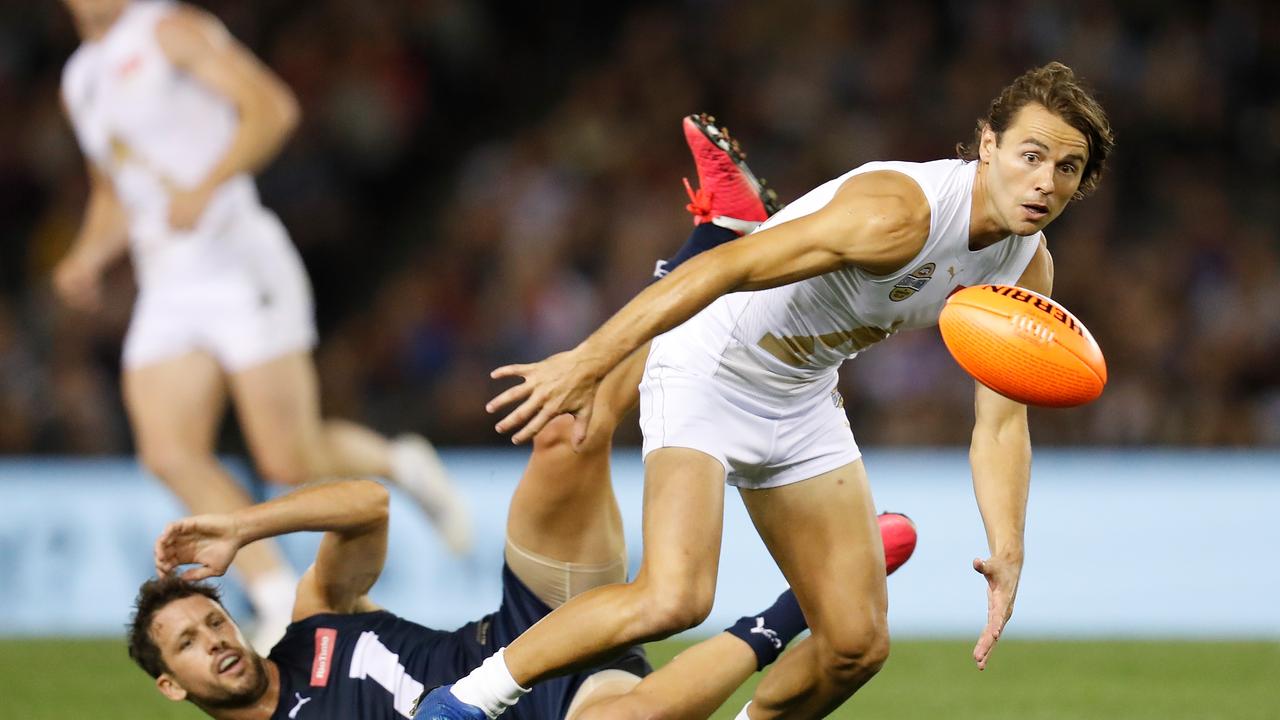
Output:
x,y
594,360
1010,554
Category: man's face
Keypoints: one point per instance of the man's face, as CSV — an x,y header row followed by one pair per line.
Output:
x,y
1035,169
208,660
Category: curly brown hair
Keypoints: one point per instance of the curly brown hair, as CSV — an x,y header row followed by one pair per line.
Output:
x,y
153,596
1055,87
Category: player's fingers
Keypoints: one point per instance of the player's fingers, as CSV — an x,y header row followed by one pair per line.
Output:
x,y
521,416
507,371
582,427
533,426
983,649
509,396
200,572
980,566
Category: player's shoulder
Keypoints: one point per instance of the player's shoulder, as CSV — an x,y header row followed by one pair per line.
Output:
x,y
882,194
75,74
179,19
306,636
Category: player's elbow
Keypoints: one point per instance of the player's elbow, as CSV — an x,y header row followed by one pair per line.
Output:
x,y
287,111
372,501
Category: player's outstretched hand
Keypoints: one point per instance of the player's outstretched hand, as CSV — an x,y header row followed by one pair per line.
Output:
x,y
1002,587
207,541
562,383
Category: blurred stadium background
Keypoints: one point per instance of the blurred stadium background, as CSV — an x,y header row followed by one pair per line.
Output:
x,y
475,183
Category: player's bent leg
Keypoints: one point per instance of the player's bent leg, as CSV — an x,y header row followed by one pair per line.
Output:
x,y
683,514
834,561
564,529
692,685
278,404
703,677
175,407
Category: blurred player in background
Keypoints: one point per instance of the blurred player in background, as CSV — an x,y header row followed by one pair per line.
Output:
x,y
174,117
744,391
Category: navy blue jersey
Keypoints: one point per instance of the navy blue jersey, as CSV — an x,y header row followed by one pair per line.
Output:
x,y
373,666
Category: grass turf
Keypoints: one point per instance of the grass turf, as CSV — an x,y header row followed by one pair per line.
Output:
x,y
1026,680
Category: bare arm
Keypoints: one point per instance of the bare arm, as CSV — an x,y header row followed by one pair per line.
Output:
x,y
1000,457
353,514
877,221
103,238
198,44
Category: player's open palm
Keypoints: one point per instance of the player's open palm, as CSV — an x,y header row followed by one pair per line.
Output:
x,y
563,383
1002,587
210,542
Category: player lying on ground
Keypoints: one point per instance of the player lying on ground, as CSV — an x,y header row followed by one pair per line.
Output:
x,y
344,658
742,388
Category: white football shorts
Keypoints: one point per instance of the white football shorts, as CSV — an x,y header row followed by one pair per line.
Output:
x,y
761,443
242,297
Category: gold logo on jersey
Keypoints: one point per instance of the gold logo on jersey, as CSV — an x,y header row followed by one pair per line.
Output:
x,y
799,350
909,284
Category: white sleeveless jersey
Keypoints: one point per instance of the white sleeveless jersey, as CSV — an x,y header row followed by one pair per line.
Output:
x,y
153,128
787,340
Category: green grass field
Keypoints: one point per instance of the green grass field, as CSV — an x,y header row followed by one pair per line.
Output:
x,y
933,680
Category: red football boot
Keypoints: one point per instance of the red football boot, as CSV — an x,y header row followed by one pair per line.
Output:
x,y
728,194
899,536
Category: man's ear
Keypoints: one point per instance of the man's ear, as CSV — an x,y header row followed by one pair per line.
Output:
x,y
987,145
170,688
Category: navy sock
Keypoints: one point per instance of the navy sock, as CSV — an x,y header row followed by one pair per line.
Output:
x,y
769,632
703,238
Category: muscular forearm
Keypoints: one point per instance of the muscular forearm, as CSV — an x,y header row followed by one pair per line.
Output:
x,y
104,235
660,307
347,507
265,123
197,44
1001,461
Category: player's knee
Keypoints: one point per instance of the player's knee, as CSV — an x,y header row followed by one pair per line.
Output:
x,y
555,436
855,654
285,468
169,462
676,607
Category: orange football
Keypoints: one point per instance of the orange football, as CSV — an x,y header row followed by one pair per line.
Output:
x,y
1023,345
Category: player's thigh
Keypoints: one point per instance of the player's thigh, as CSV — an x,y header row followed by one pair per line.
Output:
x,y
278,405
682,523
175,406
564,531
564,510
823,534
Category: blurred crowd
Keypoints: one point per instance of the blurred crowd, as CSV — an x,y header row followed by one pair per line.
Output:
x,y
476,183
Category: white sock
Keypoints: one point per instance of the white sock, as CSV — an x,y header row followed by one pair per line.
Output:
x,y
490,687
272,593
743,715
272,598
